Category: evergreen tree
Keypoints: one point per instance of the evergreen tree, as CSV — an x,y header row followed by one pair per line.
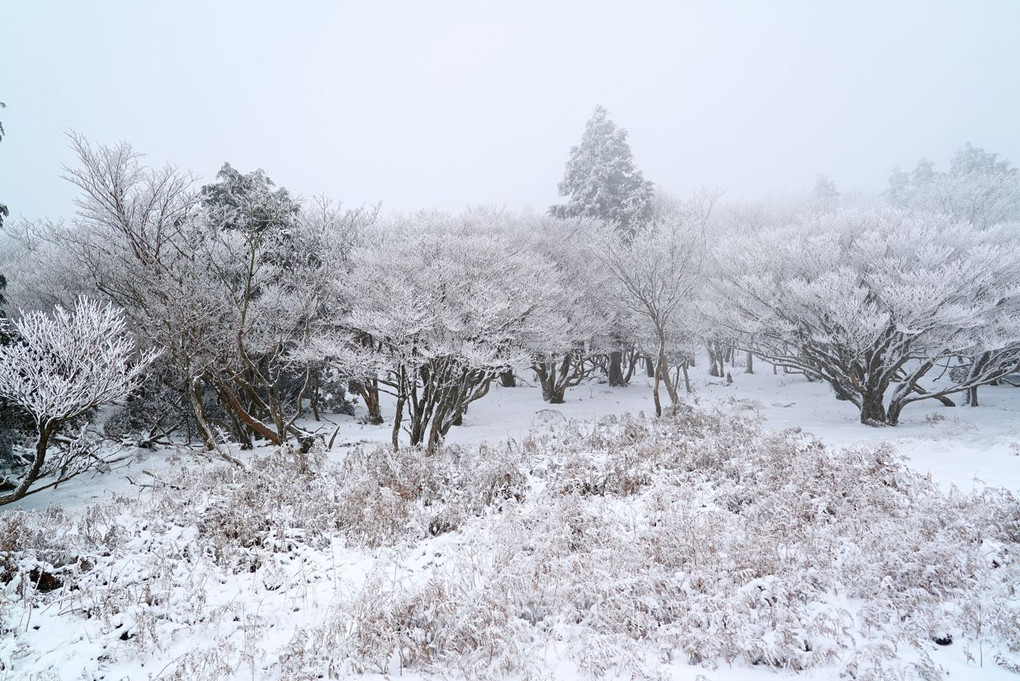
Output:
x,y
602,182
601,179
249,203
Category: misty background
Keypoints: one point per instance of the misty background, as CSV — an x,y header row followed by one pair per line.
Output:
x,y
450,104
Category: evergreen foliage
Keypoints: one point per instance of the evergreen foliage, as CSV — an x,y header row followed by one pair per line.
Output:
x,y
601,180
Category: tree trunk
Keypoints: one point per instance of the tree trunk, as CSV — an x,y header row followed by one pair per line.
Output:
x,y
370,395
713,365
246,418
649,366
750,362
398,416
972,396
674,398
368,391
892,416
206,433
41,444
616,378
873,411
655,394
314,401
631,365
507,379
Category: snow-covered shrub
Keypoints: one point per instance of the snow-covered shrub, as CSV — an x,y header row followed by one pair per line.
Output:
x,y
450,621
385,496
60,368
625,546
715,542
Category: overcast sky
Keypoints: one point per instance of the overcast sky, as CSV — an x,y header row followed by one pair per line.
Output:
x,y
450,104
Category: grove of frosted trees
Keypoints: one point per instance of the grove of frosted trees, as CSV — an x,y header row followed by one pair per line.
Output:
x,y
236,312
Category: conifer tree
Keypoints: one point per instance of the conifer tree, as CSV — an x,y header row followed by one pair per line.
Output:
x,y
601,180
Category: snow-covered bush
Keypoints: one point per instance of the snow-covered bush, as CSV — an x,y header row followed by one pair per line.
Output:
x,y
720,544
59,368
625,546
452,622
385,496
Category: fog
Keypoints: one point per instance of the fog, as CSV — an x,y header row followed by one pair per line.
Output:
x,y
453,104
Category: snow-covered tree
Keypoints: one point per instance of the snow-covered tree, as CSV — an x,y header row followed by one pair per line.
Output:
x,y
601,180
980,188
226,279
60,367
447,303
658,274
871,300
824,197
566,347
137,239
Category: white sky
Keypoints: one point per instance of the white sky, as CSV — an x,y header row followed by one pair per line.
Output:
x,y
450,104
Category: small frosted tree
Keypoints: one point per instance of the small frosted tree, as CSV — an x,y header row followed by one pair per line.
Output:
x,y
566,347
60,367
658,274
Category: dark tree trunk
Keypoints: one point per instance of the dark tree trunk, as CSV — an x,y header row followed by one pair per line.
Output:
x,y
204,431
892,416
41,444
616,378
314,400
873,411
713,365
631,365
398,417
369,393
655,393
507,380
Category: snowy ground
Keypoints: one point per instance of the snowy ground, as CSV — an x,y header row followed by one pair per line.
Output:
x,y
218,624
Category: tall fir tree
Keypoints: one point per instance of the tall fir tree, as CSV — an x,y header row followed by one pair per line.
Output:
x,y
601,180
